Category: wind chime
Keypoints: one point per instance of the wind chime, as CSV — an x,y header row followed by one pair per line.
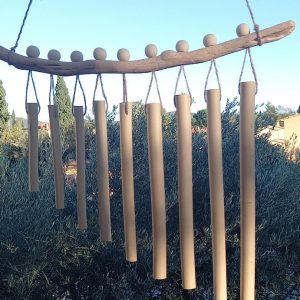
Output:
x,y
167,59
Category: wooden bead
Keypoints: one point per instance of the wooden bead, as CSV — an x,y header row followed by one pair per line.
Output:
x,y
123,54
242,29
76,56
100,53
33,51
209,40
182,46
54,55
151,50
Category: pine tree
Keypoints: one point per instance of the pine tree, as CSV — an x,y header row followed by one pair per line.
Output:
x,y
4,114
64,103
298,110
13,118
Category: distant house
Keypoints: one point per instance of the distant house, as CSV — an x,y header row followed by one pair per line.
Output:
x,y
24,123
287,129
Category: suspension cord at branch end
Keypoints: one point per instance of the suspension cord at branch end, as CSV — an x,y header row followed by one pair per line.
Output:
x,y
256,26
21,28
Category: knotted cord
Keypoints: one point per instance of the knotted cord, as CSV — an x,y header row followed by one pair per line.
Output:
x,y
153,76
212,64
99,78
182,70
30,77
77,81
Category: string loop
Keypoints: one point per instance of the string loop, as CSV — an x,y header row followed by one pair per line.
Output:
x,y
153,76
30,77
182,70
99,79
212,64
77,81
248,51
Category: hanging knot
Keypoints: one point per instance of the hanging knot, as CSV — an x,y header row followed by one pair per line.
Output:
x,y
257,30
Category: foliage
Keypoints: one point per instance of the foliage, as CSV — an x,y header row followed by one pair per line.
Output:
x,y
43,255
4,114
298,110
200,118
63,102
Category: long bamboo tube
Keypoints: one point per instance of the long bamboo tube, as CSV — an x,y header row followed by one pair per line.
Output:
x,y
156,166
127,181
57,156
215,163
102,171
247,190
185,190
80,158
33,170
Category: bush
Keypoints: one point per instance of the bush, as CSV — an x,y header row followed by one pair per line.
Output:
x,y
44,256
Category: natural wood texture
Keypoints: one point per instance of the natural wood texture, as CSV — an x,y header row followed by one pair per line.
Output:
x,y
57,156
185,190
102,171
166,59
157,184
247,190
127,180
33,168
215,162
80,177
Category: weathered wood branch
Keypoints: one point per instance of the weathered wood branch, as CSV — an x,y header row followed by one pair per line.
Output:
x,y
166,59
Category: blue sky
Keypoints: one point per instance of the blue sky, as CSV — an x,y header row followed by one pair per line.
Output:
x,y
69,25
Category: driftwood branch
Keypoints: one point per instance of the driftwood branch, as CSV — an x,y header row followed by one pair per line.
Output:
x,y
166,59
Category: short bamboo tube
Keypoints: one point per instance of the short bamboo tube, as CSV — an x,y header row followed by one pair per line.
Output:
x,y
80,159
102,170
156,166
215,163
185,190
247,190
33,170
57,156
127,181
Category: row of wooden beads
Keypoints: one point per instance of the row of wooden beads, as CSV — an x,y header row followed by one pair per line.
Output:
x,y
124,55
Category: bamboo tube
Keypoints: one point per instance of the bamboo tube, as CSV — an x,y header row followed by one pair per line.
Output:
x,y
185,190
156,166
33,170
80,159
216,193
247,190
127,181
102,171
57,156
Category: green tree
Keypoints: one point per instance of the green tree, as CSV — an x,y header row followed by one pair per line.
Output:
x,y
200,118
63,102
13,118
4,114
298,110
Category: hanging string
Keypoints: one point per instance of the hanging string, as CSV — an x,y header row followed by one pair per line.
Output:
x,y
22,26
153,76
212,64
181,69
52,96
256,26
125,97
30,77
99,78
77,81
247,51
